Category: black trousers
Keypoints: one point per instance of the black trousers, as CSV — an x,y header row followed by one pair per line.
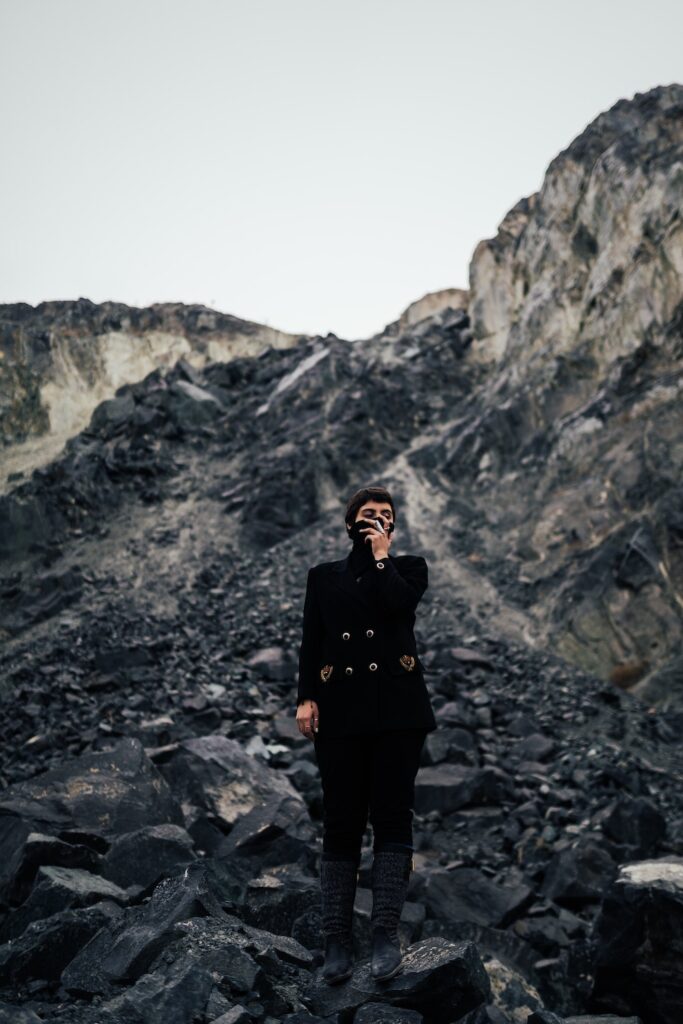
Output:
x,y
371,775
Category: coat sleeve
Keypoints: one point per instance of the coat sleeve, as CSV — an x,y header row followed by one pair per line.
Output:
x,y
311,644
401,591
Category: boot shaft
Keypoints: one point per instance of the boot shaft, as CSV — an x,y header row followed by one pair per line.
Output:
x,y
338,880
390,875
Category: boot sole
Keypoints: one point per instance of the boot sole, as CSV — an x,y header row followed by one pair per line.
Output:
x,y
337,978
385,977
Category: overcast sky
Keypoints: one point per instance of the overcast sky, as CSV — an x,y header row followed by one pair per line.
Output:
x,y
314,165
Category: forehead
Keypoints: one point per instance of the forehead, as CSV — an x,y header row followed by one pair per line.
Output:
x,y
376,504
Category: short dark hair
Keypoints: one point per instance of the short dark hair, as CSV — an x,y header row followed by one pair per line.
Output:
x,y
358,499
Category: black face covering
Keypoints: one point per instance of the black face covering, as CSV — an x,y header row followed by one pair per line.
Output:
x,y
362,548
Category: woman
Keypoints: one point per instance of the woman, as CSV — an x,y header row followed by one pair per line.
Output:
x,y
363,701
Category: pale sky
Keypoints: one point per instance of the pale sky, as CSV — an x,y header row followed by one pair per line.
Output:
x,y
313,165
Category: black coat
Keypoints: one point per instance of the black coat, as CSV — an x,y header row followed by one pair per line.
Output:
x,y
354,620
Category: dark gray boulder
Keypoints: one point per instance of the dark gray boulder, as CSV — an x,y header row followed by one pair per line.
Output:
x,y
442,980
466,894
177,995
447,787
145,856
634,825
123,952
103,794
58,889
45,947
35,849
17,1015
578,874
638,939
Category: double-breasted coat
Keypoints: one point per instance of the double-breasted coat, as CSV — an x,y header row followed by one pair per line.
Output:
x,y
358,657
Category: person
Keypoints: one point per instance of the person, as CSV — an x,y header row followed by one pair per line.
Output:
x,y
363,702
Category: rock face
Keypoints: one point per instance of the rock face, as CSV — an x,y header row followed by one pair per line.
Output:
x,y
570,453
592,263
59,360
161,814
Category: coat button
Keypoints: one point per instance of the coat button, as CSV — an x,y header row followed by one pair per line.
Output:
x,y
369,632
380,565
345,636
372,666
348,670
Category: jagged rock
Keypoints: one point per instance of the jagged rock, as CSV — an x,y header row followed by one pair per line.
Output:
x,y
578,873
511,993
17,1015
455,745
236,1015
207,938
447,787
46,946
116,661
58,889
36,849
103,793
273,663
442,980
192,406
217,780
39,598
145,856
548,933
635,825
113,413
176,995
214,772
124,951
535,747
501,944
465,894
274,902
638,937
277,832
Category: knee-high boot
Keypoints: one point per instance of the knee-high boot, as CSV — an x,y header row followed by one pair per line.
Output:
x,y
391,869
338,878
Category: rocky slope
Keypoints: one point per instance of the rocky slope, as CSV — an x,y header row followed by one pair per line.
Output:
x,y
160,814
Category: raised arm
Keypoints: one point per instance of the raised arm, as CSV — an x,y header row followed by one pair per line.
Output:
x,y
402,590
311,644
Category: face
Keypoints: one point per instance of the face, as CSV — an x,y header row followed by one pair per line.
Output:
x,y
373,509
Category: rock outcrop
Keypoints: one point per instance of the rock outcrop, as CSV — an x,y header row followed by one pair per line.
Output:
x,y
60,359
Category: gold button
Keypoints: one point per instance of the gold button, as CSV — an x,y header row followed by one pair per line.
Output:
x,y
349,670
369,632
372,666
380,565
345,636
